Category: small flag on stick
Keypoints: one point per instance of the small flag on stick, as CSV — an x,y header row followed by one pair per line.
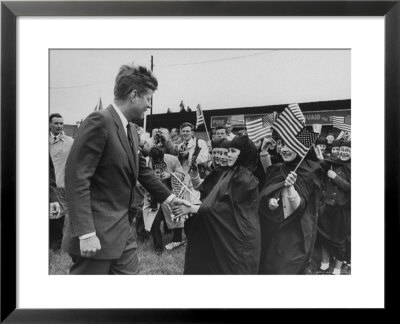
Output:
x,y
289,125
199,116
343,123
260,127
183,188
177,187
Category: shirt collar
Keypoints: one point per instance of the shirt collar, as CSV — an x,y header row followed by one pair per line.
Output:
x,y
121,116
59,137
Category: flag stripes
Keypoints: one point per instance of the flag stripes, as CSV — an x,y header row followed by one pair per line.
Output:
x,y
342,123
295,108
199,116
290,125
259,128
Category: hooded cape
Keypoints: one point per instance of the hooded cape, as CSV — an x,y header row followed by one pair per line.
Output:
x,y
225,234
287,244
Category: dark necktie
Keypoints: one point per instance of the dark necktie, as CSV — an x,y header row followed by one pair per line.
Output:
x,y
55,138
130,139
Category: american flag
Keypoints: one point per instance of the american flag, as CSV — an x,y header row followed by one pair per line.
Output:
x,y
260,127
306,139
177,188
344,135
343,123
199,116
288,125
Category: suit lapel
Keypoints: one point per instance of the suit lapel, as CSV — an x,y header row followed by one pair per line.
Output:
x,y
135,147
123,138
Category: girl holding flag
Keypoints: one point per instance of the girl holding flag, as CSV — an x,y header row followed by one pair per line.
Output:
x,y
288,215
288,201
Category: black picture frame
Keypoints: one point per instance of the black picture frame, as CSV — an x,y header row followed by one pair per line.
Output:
x,y
10,10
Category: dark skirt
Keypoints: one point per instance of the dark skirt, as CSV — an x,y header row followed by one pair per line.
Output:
x,y
282,247
217,251
334,229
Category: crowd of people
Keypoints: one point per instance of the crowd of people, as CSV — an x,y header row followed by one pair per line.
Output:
x,y
245,207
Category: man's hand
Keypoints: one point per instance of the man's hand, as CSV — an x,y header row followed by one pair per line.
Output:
x,y
165,175
54,209
180,211
178,202
332,174
273,203
90,246
291,179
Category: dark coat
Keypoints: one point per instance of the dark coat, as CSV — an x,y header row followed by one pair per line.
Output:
x,y
225,234
100,177
52,182
335,220
287,244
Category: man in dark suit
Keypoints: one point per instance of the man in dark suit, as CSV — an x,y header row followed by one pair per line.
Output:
x,y
102,169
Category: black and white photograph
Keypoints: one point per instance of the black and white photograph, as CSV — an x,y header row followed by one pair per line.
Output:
x,y
200,161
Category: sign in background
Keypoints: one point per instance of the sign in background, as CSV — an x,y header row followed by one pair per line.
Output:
x,y
323,117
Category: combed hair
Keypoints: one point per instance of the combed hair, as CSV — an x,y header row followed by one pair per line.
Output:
x,y
186,125
221,127
131,78
55,115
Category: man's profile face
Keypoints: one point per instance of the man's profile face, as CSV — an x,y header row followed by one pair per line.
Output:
x,y
186,133
56,125
221,133
140,104
229,129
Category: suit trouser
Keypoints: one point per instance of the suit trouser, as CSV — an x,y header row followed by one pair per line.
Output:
x,y
127,264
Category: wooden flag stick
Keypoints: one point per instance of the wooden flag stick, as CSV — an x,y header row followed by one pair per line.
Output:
x,y
184,186
302,159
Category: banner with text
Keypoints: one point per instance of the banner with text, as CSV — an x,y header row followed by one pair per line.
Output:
x,y
323,117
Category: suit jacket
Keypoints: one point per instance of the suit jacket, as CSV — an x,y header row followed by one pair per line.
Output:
x,y
100,177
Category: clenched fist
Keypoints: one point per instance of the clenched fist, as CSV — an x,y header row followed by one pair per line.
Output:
x,y
90,246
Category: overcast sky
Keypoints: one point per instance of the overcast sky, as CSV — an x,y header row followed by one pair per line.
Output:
x,y
214,78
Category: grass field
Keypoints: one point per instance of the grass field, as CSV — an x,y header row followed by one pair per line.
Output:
x,y
168,263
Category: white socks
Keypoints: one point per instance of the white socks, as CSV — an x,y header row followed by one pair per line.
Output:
x,y
324,266
336,271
